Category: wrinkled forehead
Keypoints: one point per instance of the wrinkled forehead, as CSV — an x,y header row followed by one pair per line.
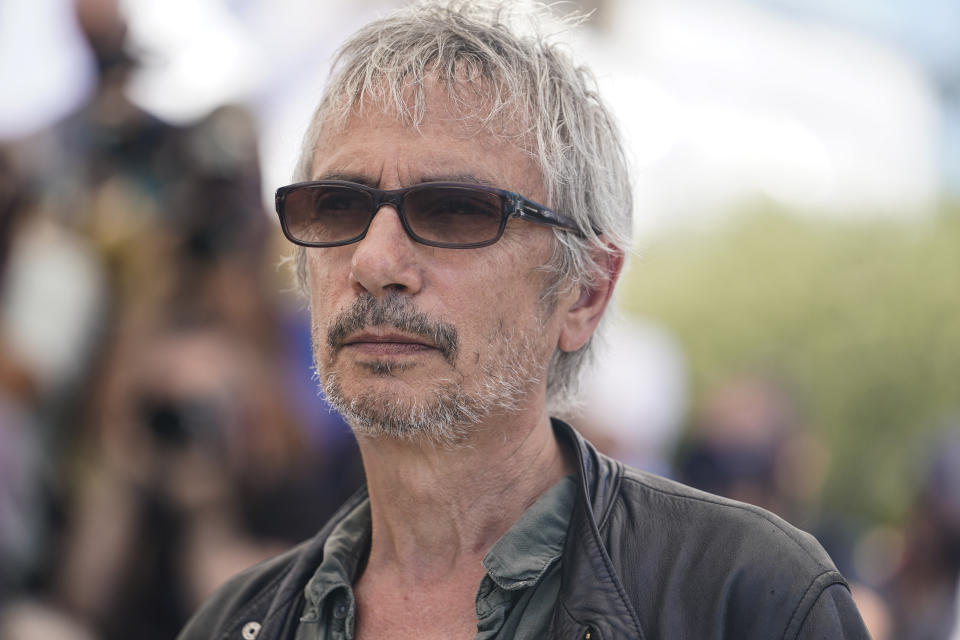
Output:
x,y
467,103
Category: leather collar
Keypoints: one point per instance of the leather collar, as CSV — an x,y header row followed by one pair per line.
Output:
x,y
591,593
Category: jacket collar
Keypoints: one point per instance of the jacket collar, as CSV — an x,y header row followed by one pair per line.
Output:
x,y
591,593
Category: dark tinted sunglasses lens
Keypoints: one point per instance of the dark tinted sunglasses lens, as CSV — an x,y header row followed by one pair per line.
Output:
x,y
327,214
454,215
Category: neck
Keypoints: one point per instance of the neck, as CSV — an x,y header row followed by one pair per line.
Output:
x,y
435,508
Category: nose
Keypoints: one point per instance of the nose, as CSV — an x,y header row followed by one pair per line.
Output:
x,y
385,260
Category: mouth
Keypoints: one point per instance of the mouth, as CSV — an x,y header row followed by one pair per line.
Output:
x,y
374,343
390,328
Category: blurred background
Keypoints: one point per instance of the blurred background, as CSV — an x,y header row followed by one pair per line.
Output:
x,y
790,330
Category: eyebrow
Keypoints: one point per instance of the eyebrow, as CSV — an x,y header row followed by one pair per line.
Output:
x,y
346,177
466,178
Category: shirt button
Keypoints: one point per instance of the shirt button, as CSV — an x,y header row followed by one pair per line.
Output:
x,y
250,630
340,610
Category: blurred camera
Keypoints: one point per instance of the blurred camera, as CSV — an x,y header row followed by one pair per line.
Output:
x,y
180,422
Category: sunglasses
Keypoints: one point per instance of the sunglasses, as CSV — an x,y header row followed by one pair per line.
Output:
x,y
450,215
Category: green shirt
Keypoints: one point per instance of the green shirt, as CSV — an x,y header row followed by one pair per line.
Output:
x,y
515,599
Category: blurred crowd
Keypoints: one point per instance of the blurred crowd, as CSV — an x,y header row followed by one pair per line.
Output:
x,y
159,430
158,427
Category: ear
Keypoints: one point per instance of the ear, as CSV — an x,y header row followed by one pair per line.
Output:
x,y
582,314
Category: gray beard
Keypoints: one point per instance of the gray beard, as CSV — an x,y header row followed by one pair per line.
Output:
x,y
451,413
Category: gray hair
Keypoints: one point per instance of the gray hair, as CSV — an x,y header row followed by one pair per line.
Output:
x,y
528,82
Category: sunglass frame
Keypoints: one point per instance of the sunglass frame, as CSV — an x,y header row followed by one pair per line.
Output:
x,y
514,206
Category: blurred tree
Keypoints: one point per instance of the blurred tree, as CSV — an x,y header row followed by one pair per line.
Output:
x,y
863,319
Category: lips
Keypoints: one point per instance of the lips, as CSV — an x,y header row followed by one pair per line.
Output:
x,y
376,336
389,343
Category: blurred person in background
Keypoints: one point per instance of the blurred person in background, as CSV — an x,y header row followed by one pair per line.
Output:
x,y
748,443
451,317
22,472
138,262
922,592
192,431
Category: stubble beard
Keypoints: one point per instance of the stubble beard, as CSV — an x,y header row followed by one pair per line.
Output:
x,y
450,412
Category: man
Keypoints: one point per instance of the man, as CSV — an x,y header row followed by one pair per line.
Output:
x,y
451,315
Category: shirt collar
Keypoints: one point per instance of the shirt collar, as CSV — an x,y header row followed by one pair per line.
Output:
x,y
343,551
535,541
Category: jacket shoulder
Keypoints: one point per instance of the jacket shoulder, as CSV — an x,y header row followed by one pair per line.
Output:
x,y
711,518
740,566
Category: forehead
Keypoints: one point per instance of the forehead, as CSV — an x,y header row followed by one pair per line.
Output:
x,y
452,136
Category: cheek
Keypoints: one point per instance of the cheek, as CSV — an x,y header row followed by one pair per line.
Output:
x,y
326,270
325,292
504,292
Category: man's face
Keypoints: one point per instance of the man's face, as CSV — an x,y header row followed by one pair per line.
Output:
x,y
415,340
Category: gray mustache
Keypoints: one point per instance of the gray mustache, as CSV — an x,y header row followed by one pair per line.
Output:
x,y
397,312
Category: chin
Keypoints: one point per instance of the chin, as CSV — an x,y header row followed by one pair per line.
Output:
x,y
445,415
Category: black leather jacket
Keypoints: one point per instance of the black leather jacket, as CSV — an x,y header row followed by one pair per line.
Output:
x,y
645,558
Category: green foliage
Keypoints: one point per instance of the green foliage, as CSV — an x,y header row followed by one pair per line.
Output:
x,y
863,320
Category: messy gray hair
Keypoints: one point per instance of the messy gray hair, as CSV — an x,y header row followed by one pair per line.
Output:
x,y
526,82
